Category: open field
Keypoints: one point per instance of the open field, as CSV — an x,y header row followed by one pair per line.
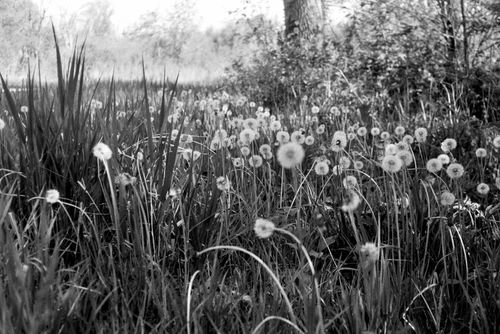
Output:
x,y
140,207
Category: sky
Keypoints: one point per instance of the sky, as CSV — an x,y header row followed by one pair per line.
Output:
x,y
212,13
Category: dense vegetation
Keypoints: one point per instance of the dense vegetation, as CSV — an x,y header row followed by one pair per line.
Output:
x,y
330,185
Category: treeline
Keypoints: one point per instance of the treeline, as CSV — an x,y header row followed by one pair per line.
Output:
x,y
169,40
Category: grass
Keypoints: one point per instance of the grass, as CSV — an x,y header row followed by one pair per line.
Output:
x,y
159,237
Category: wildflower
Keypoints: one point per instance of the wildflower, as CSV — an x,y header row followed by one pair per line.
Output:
x,y
186,139
352,203
375,132
275,125
344,162
255,161
408,139
455,170
399,131
496,142
315,109
223,183
174,193
220,134
391,149
444,159
290,155
245,151
321,129
447,198
362,131
448,145
402,146
350,182
483,188
391,164
314,119
125,179
238,162
189,154
421,134
282,137
337,170
24,109
309,140
216,144
139,156
2,124
369,254
351,136
321,168
385,135
434,165
52,196
297,137
481,153
406,157
264,228
335,111
358,165
247,136
266,151
102,152
339,141
250,123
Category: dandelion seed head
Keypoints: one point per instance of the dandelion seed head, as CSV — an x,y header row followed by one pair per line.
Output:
x,y
290,155
362,131
102,152
444,159
255,161
421,135
447,198
350,182
385,135
434,165
406,157
496,142
358,165
481,153
321,168
375,132
309,140
339,141
399,131
352,203
448,145
275,125
369,254
263,228
391,164
223,183
455,170
282,137
266,151
297,137
245,151
344,162
483,188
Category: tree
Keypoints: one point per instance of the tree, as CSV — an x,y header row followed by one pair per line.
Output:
x,y
22,33
304,17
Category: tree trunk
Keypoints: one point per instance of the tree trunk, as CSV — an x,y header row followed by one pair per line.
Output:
x,y
303,18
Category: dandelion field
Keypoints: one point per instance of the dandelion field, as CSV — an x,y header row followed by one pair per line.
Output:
x,y
162,208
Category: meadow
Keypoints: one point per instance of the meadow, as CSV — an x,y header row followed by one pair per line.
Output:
x,y
155,207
